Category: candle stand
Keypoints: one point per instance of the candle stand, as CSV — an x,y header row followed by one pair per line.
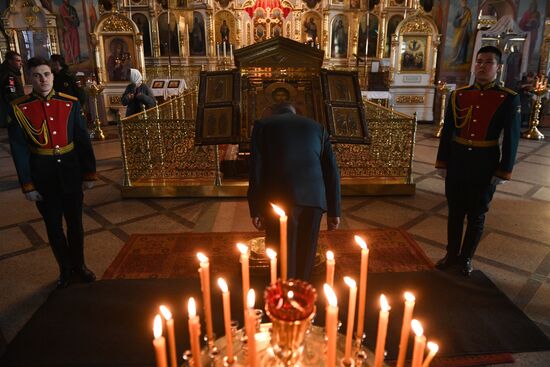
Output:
x,y
443,89
95,90
541,88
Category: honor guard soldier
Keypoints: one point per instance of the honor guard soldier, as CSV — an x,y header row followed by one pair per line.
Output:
x,y
471,157
10,84
54,159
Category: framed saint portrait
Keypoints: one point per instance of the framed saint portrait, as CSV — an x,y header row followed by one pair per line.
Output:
x,y
174,84
120,56
346,120
218,115
158,84
413,54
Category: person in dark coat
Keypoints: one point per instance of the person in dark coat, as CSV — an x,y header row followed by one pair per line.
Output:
x,y
64,81
137,94
471,157
293,166
55,161
11,86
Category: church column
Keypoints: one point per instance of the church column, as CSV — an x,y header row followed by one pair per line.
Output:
x,y
210,27
326,31
239,39
353,37
155,42
382,34
298,25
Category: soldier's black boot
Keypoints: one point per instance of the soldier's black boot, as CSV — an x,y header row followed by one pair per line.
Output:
x,y
446,262
467,267
85,274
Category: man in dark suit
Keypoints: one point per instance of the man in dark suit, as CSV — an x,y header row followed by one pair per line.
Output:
x,y
54,160
471,158
294,167
10,84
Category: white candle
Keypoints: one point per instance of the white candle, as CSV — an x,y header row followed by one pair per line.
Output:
x,y
362,285
251,329
382,331
205,285
351,317
219,54
419,343
330,268
405,328
194,332
283,240
433,348
243,249
224,50
171,335
331,325
273,264
231,50
227,318
159,343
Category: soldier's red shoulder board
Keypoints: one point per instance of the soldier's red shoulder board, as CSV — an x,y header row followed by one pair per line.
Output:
x,y
68,96
514,93
20,99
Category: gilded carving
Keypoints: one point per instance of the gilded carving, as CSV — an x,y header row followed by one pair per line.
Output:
x,y
117,23
419,25
114,100
409,99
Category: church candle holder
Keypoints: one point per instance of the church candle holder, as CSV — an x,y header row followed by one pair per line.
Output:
x,y
541,88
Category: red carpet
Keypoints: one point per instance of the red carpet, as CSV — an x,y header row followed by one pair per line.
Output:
x,y
174,255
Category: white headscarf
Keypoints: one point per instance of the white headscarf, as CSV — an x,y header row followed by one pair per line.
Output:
x,y
135,77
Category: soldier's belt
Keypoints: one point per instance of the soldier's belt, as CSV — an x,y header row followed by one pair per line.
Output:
x,y
55,151
475,143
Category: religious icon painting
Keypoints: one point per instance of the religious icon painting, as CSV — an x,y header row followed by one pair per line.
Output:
x,y
157,84
346,121
119,57
174,84
413,54
197,40
218,117
339,37
311,29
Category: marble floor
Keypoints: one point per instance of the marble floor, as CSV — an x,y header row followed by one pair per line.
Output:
x,y
514,252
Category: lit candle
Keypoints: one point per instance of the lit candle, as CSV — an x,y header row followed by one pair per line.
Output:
x,y
331,325
227,319
382,331
405,328
273,264
351,317
362,285
433,348
419,344
205,285
219,54
231,51
224,49
171,336
330,268
243,249
194,332
251,329
283,240
159,343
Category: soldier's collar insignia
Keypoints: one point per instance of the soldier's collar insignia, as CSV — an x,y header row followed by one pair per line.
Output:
x,y
44,98
485,86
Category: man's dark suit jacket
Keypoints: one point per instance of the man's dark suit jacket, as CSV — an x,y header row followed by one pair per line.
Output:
x,y
292,164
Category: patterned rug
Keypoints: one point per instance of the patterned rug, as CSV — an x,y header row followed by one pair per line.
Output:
x,y
174,255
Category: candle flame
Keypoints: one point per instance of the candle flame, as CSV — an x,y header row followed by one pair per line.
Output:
x,y
280,212
290,294
242,248
361,242
271,253
409,297
433,347
223,285
417,328
191,307
350,282
157,327
384,305
331,296
202,257
165,312
330,255
251,298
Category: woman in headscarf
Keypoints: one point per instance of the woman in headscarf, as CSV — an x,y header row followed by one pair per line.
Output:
x,y
137,94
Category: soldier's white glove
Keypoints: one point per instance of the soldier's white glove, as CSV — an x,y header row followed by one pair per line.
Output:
x,y
86,185
441,172
497,180
33,196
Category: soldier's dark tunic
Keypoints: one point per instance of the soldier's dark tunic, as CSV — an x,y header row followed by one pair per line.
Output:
x,y
479,140
10,89
53,155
